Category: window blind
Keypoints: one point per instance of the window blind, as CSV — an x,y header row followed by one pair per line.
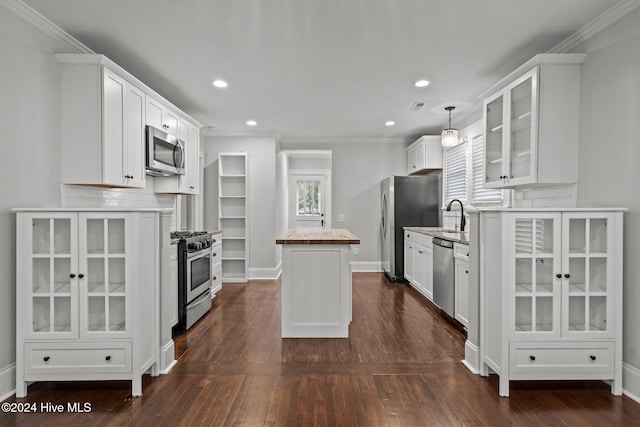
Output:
x,y
479,194
456,173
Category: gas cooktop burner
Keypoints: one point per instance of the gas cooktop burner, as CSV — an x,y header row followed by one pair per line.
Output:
x,y
187,234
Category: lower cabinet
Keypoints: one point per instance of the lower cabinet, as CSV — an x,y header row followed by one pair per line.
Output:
x,y
87,284
461,266
418,262
216,261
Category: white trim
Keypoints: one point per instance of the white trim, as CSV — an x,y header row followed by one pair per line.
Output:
x,y
330,140
366,266
592,28
264,273
631,382
8,382
167,357
31,16
471,357
207,131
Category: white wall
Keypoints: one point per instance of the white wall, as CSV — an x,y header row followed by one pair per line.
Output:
x,y
357,169
261,158
609,155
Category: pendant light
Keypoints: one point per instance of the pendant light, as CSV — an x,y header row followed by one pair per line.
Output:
x,y
449,135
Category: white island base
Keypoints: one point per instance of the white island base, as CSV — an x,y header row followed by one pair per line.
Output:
x,y
316,286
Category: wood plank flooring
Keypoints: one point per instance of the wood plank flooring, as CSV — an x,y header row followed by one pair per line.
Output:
x,y
400,367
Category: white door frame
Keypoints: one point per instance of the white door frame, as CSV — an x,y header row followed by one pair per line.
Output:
x,y
326,174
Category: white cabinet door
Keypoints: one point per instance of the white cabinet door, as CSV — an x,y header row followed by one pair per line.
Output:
x,y
409,261
419,266
113,128
48,275
134,109
462,291
588,275
428,272
105,275
533,287
160,117
412,160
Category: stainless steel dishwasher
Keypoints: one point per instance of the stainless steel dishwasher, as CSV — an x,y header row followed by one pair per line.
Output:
x,y
443,275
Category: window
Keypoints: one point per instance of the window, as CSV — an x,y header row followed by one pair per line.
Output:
x,y
479,194
308,197
456,173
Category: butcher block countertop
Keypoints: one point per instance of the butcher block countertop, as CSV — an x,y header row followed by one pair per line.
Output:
x,y
333,236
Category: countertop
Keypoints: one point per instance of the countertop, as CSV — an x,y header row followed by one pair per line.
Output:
x,y
333,236
442,233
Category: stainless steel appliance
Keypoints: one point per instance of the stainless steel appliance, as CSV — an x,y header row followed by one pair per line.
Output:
x,y
406,201
164,154
195,277
443,275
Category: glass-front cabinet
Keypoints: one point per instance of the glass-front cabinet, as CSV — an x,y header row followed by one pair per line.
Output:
x,y
561,275
76,275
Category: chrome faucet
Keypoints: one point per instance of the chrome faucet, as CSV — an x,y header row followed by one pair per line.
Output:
x,y
463,221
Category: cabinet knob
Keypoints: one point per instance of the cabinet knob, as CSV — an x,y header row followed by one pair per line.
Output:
x,y
559,276
81,276
46,358
72,275
466,271
592,357
107,358
214,277
532,357
214,254
567,276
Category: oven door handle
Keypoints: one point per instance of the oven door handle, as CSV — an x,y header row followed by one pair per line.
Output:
x,y
202,252
203,298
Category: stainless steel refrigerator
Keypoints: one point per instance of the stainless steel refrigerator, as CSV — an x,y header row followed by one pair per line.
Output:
x,y
406,201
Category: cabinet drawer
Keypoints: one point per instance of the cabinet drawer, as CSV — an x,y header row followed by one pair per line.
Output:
x,y
55,358
461,251
556,357
419,238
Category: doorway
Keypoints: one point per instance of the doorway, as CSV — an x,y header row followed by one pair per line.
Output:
x,y
310,198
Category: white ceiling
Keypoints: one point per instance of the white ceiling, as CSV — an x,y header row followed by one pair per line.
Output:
x,y
321,68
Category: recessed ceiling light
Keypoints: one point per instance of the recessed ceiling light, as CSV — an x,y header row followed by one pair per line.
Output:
x,y
421,83
389,123
251,122
220,83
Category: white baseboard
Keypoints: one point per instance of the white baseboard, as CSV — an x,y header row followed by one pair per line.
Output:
x,y
631,382
266,273
167,357
471,357
7,382
366,266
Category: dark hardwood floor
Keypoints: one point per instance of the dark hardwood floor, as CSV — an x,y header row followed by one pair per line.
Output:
x,y
400,367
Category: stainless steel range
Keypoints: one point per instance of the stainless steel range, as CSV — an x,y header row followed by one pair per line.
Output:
x,y
195,276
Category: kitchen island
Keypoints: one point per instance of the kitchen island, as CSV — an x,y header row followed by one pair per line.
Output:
x,y
316,282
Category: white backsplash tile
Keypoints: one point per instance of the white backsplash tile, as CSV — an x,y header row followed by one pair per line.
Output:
x,y
553,196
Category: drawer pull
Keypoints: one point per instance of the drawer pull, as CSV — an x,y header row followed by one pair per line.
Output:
x,y
72,275
46,358
592,357
532,357
567,276
107,358
81,275
559,276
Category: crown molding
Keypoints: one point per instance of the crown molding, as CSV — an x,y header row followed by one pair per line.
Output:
x,y
340,140
31,16
589,30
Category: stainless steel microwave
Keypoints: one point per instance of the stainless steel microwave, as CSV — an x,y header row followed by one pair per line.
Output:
x,y
165,153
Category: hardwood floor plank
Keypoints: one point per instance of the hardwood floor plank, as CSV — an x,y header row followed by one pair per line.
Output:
x,y
400,366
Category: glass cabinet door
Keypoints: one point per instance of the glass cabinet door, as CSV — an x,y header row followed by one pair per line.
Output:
x,y
494,138
51,275
103,295
533,285
522,128
587,299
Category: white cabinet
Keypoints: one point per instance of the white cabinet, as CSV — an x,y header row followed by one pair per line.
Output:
x,y
552,295
216,261
80,281
102,131
418,262
161,117
189,183
233,215
531,124
461,274
424,155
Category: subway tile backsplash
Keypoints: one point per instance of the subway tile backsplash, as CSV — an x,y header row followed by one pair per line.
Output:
x,y
555,196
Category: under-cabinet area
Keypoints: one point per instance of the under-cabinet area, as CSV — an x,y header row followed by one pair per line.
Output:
x,y
443,281
550,286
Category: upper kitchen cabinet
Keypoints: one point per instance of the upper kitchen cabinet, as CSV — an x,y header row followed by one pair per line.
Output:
x,y
424,155
103,117
161,117
531,124
189,183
